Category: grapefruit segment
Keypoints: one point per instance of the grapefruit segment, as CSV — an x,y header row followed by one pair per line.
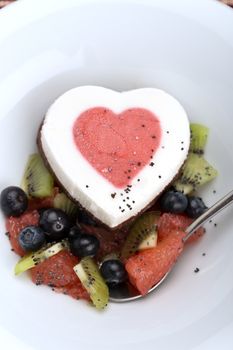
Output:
x,y
146,268
15,224
57,272
170,222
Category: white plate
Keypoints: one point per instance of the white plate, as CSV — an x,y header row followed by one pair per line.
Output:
x,y
184,47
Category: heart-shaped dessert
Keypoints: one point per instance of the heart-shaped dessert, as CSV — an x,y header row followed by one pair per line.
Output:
x,y
113,152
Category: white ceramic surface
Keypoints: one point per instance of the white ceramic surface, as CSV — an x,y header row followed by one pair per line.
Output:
x,y
183,47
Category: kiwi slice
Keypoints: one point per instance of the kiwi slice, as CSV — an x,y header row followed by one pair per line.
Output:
x,y
61,201
199,136
110,256
195,172
142,235
150,240
37,181
90,277
32,259
183,187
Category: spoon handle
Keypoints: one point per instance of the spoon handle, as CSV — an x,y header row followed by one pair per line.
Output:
x,y
216,208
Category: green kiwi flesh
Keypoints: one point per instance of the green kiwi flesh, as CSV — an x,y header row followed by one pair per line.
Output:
x,y
32,259
199,136
37,181
143,233
150,240
91,279
111,256
61,201
195,172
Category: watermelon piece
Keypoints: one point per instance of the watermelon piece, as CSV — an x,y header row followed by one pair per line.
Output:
x,y
170,222
15,224
57,272
147,268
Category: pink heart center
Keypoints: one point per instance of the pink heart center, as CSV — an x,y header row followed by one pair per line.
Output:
x,y
118,146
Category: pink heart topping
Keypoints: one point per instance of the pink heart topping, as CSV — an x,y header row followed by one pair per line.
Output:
x,y
118,146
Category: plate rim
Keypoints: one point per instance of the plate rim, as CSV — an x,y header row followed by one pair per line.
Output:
x,y
23,12
12,19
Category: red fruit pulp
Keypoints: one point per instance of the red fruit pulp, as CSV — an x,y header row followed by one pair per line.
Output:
x,y
146,268
39,203
123,143
169,222
15,224
110,241
57,272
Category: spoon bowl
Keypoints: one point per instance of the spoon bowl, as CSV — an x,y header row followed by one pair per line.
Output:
x,y
126,292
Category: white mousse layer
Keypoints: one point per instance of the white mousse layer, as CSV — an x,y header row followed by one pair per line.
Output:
x,y
74,172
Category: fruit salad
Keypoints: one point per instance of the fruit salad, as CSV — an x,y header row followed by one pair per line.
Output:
x,y
63,246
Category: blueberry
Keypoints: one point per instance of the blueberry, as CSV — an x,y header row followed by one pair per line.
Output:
x,y
84,245
113,271
31,238
55,223
14,201
85,218
41,210
74,232
195,207
174,202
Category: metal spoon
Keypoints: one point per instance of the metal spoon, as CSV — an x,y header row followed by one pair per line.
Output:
x,y
126,292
